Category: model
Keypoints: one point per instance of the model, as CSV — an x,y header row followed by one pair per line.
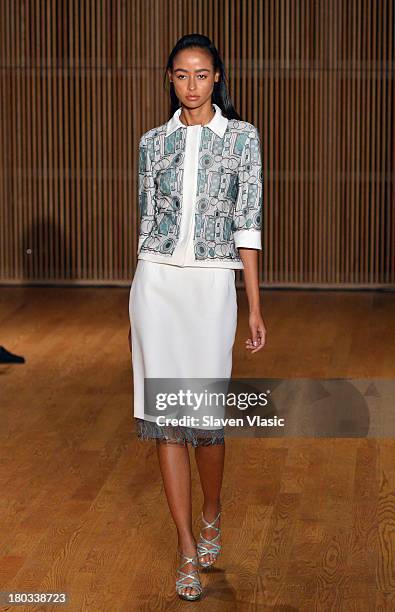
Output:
x,y
200,200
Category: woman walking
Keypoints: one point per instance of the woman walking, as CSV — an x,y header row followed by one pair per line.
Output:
x,y
200,200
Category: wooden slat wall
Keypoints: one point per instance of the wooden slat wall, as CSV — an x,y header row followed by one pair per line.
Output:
x,y
81,80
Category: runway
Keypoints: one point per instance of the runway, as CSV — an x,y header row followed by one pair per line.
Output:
x,y
305,521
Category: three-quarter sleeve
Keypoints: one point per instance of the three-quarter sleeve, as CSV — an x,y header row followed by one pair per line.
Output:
x,y
146,192
247,219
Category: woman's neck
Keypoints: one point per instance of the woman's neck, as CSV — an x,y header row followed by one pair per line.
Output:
x,y
191,120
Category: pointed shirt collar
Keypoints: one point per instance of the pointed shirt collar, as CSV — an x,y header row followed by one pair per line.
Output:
x,y
217,124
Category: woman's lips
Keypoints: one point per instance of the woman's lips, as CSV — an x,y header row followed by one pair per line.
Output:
x,y
192,97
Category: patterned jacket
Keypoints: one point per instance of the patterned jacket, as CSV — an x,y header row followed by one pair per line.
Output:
x,y
228,186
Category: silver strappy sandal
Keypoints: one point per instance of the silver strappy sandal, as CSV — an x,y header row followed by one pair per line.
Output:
x,y
193,584
209,547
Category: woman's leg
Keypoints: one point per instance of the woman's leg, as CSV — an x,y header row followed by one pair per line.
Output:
x,y
176,473
210,463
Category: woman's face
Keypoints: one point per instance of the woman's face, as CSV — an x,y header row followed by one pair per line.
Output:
x,y
193,77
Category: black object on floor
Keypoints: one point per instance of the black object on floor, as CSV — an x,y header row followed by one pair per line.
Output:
x,y
7,357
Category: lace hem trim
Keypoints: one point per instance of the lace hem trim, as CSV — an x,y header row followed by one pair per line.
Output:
x,y
147,430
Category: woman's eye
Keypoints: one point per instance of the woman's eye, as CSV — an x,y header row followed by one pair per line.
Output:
x,y
181,76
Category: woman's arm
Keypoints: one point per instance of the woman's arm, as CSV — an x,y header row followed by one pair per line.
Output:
x,y
247,233
257,326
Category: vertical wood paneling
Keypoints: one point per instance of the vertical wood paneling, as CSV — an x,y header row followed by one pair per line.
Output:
x,y
80,81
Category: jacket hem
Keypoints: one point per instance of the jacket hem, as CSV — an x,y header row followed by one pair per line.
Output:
x,y
212,263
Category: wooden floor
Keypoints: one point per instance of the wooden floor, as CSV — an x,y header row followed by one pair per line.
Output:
x,y
308,524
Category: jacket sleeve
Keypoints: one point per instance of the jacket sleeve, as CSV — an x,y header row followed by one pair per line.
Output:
x,y
247,220
146,192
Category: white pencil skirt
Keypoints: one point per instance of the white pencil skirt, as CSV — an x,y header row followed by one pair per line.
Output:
x,y
183,325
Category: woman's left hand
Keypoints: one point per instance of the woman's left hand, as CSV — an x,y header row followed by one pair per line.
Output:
x,y
258,332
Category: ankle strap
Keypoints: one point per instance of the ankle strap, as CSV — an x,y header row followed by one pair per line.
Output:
x,y
211,525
